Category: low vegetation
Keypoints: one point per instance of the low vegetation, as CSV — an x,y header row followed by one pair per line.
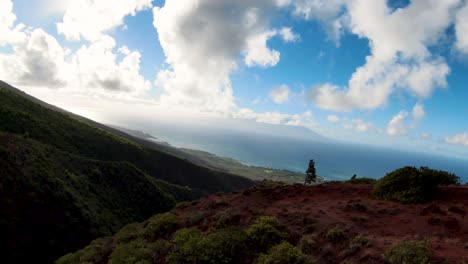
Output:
x,y
363,180
65,180
262,242
282,254
411,185
411,252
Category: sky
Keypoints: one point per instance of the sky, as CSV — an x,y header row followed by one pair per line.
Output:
x,y
391,73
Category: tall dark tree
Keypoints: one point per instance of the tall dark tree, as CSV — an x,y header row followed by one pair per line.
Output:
x,y
311,175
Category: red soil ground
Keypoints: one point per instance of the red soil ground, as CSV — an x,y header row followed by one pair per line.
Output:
x,y
315,210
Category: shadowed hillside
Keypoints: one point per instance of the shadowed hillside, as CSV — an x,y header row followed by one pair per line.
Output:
x,y
65,179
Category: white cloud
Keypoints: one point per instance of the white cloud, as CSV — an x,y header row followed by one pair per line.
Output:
x,y
9,34
258,52
360,125
288,35
90,19
280,94
329,12
418,112
38,59
333,118
276,118
461,29
400,125
99,67
459,139
202,41
400,56
397,126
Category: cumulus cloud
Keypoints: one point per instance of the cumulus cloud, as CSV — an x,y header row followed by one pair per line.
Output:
x,y
280,94
401,123
202,41
400,56
38,59
98,66
288,35
329,12
258,53
9,34
91,18
333,118
461,29
459,139
397,126
418,112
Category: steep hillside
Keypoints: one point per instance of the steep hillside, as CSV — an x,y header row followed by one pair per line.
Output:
x,y
20,115
327,223
53,201
65,180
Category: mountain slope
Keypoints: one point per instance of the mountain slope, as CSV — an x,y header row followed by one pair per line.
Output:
x,y
327,224
22,116
65,179
53,201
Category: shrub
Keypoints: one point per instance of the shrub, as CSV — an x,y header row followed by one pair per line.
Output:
x,y
265,233
358,242
411,252
222,246
307,244
97,251
412,185
160,227
128,233
335,234
283,253
138,251
363,180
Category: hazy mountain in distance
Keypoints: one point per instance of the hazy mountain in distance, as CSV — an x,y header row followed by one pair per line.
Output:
x,y
273,146
223,163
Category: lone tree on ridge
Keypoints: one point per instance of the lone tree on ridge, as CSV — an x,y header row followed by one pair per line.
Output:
x,y
311,175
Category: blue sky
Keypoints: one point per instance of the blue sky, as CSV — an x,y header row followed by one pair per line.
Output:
x,y
379,72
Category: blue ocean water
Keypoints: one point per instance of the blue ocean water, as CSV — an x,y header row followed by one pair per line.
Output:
x,y
334,160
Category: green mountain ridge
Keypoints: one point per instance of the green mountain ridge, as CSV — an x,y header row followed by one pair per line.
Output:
x,y
65,179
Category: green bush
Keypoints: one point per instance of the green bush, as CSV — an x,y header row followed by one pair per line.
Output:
x,y
161,227
139,251
335,234
128,233
412,185
358,242
265,233
411,252
363,180
307,244
97,251
283,253
221,246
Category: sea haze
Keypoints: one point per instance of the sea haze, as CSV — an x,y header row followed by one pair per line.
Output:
x,y
276,147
